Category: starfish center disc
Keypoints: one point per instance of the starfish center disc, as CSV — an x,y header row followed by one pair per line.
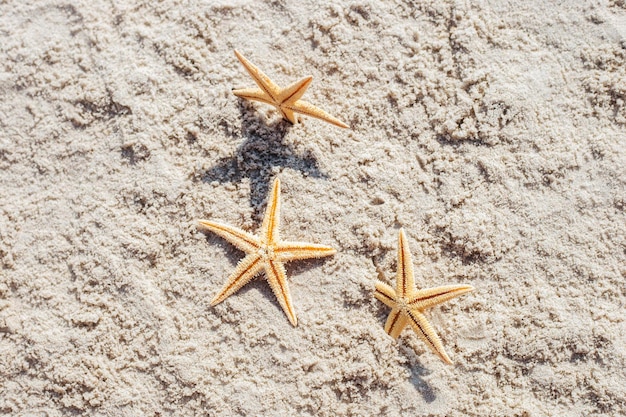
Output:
x,y
403,303
266,252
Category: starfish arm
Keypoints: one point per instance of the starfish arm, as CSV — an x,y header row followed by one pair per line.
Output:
x,y
405,283
277,278
425,331
255,94
396,321
293,92
385,294
289,115
310,110
262,80
246,269
240,238
291,251
271,220
432,296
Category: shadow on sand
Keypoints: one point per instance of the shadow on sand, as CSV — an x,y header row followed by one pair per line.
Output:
x,y
259,156
417,374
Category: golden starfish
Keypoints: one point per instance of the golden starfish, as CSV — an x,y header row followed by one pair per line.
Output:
x,y
286,100
267,252
408,304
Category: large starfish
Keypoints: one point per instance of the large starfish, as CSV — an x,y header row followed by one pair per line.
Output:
x,y
266,252
408,304
286,100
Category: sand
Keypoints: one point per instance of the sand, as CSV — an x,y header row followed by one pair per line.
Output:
x,y
493,132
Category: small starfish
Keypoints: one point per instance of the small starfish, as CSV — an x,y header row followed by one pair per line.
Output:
x,y
408,304
286,100
267,252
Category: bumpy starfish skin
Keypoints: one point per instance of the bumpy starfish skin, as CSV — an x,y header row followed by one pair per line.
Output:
x,y
408,304
286,100
267,253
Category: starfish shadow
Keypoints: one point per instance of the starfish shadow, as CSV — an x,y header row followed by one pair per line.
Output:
x,y
417,373
258,157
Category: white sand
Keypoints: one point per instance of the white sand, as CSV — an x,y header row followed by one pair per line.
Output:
x,y
494,133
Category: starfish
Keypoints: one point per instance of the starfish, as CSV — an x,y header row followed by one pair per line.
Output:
x,y
286,100
408,304
266,252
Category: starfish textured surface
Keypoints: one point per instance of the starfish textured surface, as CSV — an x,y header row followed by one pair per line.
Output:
x,y
408,304
267,253
286,100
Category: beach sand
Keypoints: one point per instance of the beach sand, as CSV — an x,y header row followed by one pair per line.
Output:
x,y
493,132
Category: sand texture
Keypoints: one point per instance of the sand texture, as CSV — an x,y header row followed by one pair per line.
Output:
x,y
493,132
